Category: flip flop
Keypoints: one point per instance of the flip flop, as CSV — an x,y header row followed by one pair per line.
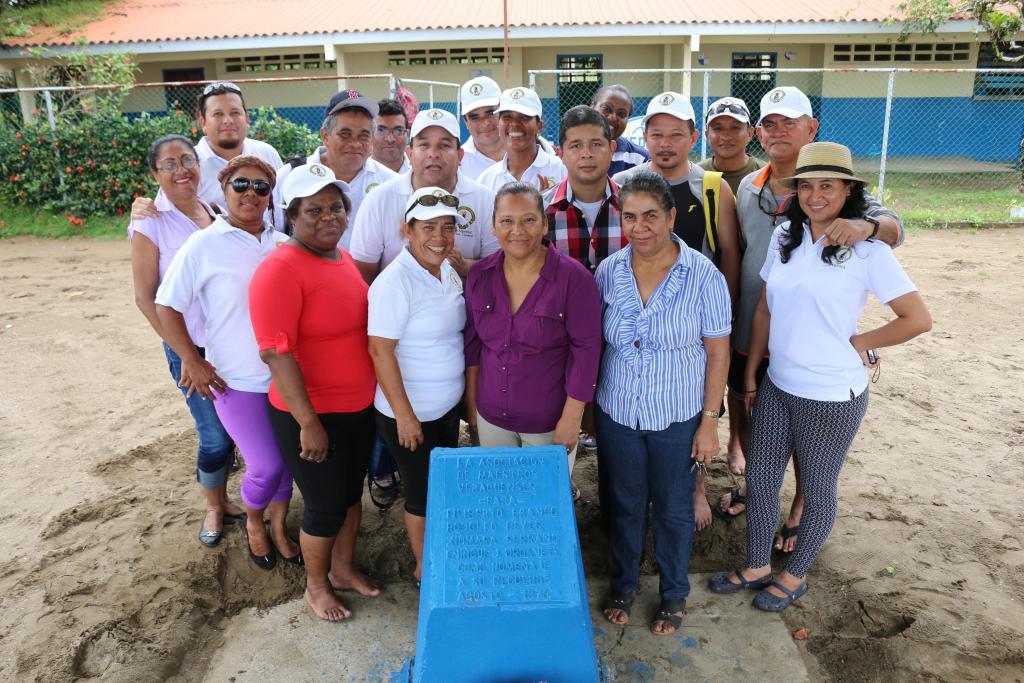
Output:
x,y
735,498
787,532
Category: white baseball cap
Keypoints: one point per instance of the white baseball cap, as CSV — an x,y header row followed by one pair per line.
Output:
x,y
440,202
785,101
733,107
479,92
522,100
307,180
671,103
435,117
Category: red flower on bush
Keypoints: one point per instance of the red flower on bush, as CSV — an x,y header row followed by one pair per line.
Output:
x,y
67,169
74,220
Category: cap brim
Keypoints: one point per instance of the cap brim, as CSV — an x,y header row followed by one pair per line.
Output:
x,y
310,190
482,102
425,213
673,114
788,113
357,102
518,108
416,130
738,117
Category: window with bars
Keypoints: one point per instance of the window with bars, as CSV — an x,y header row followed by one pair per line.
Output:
x,y
441,56
568,62
882,53
288,62
993,84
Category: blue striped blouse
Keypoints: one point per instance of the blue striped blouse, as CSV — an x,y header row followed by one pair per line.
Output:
x,y
652,371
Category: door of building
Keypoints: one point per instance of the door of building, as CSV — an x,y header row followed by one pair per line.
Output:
x,y
751,87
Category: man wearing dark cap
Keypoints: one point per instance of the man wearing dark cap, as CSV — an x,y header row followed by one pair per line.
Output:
x,y
347,135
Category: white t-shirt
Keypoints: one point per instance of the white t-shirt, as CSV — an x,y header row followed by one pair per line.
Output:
x,y
589,209
546,171
815,307
377,234
370,176
474,162
210,166
215,266
426,315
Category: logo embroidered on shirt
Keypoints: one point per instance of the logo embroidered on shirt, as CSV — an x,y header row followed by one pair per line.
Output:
x,y
468,215
842,255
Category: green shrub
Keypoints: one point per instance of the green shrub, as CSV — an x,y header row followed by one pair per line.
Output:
x,y
97,165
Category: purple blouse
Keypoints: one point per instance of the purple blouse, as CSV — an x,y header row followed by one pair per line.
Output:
x,y
550,348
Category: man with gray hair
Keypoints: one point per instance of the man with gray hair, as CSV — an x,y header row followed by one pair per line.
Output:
x,y
347,136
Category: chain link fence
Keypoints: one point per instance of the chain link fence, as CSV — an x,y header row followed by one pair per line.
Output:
x,y
938,144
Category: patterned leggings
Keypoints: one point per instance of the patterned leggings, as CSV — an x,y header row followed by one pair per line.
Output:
x,y
820,433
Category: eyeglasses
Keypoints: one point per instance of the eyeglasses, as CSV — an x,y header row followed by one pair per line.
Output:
x,y
221,87
728,107
449,200
170,165
260,187
397,131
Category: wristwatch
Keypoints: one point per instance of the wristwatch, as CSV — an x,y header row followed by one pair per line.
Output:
x,y
715,414
875,223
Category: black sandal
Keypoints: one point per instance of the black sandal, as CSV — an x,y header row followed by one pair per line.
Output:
x,y
735,498
787,532
620,601
667,612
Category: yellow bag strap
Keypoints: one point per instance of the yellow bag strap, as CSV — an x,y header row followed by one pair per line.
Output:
x,y
712,185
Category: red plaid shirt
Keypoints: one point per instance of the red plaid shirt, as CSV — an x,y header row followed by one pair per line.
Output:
x,y
568,230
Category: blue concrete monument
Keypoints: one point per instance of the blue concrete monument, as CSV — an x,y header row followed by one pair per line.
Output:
x,y
503,596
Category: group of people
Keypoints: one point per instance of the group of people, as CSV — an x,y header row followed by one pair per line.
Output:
x,y
539,293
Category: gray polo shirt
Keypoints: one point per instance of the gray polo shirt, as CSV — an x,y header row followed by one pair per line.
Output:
x,y
756,227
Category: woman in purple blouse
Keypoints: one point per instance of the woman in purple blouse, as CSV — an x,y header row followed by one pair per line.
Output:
x,y
533,333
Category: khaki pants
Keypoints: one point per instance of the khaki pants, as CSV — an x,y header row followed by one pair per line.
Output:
x,y
492,436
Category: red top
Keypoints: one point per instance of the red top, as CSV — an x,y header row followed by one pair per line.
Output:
x,y
316,310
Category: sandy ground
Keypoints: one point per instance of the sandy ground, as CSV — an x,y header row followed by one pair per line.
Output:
x,y
923,578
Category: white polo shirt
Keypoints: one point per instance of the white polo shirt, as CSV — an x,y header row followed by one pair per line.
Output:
x,y
474,162
426,315
371,175
214,266
546,171
377,235
815,307
210,166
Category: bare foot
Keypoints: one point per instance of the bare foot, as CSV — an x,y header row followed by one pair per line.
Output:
x,y
259,542
785,537
725,504
663,627
353,579
325,604
616,616
701,510
737,461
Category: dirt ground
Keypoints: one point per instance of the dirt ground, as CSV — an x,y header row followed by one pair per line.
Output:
x,y
922,579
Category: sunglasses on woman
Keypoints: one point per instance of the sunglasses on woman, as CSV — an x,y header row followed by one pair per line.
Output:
x,y
428,200
260,187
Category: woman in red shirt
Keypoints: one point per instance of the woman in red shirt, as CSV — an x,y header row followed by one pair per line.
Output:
x,y
309,311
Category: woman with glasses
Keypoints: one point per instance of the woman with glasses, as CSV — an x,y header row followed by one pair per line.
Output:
x,y
308,306
533,333
180,213
214,267
816,391
666,323
417,315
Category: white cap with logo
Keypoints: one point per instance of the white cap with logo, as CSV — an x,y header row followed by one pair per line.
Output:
x,y
307,180
522,100
434,117
479,92
732,107
432,202
785,101
671,103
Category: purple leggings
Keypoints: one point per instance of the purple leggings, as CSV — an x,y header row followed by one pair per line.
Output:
x,y
245,416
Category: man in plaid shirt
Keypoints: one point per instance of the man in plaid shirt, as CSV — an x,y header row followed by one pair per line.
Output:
x,y
583,210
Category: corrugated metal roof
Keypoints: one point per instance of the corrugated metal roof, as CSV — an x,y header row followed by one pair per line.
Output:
x,y
130,21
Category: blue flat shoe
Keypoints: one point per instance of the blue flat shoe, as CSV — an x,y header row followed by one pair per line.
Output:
x,y
766,602
720,583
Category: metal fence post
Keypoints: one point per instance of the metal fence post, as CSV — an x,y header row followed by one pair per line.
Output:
x,y
53,135
430,94
704,116
885,137
392,85
533,81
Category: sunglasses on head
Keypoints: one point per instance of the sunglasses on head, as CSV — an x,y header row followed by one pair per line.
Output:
x,y
221,87
449,200
260,187
728,107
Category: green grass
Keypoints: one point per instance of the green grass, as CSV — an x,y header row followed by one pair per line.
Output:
x,y
64,15
937,200
23,220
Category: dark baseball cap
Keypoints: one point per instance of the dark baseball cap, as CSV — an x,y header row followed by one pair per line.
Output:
x,y
351,99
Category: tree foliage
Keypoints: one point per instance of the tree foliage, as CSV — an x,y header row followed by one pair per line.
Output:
x,y
1002,20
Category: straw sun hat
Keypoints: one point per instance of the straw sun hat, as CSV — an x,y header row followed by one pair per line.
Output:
x,y
823,160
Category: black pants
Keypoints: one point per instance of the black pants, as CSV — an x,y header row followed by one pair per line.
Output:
x,y
414,466
331,487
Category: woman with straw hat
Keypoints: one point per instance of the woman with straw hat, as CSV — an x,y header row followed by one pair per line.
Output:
x,y
816,392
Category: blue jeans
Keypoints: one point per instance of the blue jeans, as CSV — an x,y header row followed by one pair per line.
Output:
x,y
642,466
213,458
